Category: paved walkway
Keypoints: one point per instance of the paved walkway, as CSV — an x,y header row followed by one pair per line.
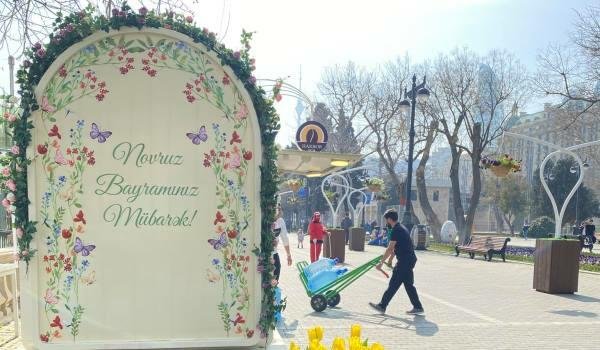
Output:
x,y
470,304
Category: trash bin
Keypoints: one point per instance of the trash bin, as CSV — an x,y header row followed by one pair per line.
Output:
x,y
334,245
357,239
419,237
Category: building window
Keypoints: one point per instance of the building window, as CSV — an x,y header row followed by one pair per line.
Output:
x,y
436,196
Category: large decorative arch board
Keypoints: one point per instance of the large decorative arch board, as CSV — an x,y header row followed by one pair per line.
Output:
x,y
145,187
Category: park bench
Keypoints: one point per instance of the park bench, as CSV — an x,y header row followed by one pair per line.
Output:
x,y
485,245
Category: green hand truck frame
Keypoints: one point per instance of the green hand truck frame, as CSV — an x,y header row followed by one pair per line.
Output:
x,y
329,294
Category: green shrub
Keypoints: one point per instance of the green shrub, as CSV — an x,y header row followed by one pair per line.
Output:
x,y
541,227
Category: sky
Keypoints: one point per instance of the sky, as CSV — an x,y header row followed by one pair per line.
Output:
x,y
314,34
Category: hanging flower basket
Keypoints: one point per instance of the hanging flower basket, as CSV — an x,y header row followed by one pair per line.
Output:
x,y
294,184
500,171
502,166
374,184
330,195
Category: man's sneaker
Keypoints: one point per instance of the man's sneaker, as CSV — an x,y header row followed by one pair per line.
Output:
x,y
378,307
415,311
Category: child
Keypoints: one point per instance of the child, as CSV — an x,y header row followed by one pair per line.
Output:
x,y
300,238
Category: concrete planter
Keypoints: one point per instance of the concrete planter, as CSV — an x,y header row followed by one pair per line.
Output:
x,y
337,241
556,269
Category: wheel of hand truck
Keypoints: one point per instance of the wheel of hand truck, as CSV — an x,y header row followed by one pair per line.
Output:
x,y
318,302
333,299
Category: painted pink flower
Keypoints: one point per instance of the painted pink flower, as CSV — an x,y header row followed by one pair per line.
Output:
x,y
5,203
11,185
5,171
19,232
235,161
15,150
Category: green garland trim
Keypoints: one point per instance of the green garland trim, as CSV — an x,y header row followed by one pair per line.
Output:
x,y
74,28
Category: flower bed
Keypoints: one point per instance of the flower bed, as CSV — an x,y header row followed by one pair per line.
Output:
x,y
587,261
354,342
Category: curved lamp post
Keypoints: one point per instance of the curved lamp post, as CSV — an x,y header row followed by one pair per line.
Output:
x,y
348,190
418,93
558,215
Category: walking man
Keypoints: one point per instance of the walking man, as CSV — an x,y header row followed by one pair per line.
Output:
x,y
346,225
401,245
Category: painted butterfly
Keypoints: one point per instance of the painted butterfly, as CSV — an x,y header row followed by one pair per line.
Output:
x,y
79,247
219,243
54,132
102,136
46,106
198,138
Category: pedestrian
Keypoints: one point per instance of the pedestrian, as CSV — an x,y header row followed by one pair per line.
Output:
x,y
280,230
402,246
346,225
316,233
589,229
525,229
300,238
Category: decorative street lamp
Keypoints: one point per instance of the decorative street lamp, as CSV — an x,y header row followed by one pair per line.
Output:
x,y
418,93
576,170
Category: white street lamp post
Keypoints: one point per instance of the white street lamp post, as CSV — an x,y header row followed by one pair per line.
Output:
x,y
558,215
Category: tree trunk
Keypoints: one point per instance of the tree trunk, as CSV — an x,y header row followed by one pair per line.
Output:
x,y
476,190
499,219
430,215
459,212
511,224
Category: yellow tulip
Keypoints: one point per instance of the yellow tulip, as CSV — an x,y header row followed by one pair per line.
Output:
x,y
316,345
355,331
376,346
294,346
355,343
319,332
312,334
338,344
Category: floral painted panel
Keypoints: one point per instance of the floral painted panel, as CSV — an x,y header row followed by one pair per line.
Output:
x,y
147,183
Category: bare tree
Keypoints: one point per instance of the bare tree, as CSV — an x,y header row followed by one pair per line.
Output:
x,y
571,71
471,99
345,92
26,22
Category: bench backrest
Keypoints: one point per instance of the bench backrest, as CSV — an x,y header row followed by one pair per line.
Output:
x,y
489,242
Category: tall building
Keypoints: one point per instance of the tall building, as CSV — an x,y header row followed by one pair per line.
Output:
x,y
562,127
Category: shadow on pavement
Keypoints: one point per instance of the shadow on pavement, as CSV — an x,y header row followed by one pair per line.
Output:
x,y
575,313
419,324
287,330
579,297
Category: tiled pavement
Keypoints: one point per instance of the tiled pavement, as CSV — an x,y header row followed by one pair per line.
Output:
x,y
469,304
